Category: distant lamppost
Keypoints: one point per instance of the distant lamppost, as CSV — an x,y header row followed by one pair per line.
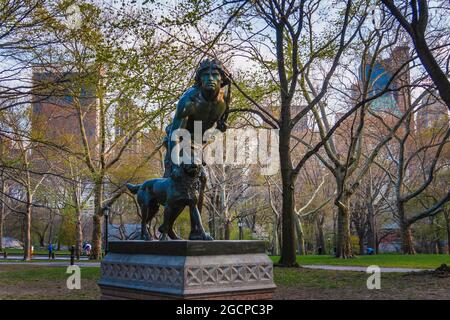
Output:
x,y
106,214
240,225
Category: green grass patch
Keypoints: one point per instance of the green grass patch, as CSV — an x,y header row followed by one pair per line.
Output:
x,y
419,261
46,283
325,279
36,282
41,251
25,274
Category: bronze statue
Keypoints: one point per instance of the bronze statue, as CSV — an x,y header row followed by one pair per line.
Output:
x,y
174,193
207,102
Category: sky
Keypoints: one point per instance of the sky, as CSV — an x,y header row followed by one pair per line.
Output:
x,y
238,61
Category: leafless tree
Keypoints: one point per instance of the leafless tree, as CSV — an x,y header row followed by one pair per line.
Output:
x,y
414,17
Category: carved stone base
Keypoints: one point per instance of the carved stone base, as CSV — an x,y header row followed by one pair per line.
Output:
x,y
186,270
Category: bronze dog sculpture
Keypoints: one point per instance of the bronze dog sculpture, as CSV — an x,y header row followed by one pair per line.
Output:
x,y
174,193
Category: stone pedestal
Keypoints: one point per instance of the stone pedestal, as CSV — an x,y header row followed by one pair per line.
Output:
x,y
186,270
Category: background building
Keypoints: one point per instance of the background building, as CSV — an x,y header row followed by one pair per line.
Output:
x,y
431,112
56,102
379,76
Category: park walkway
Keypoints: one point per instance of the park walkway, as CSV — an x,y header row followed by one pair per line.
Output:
x,y
39,257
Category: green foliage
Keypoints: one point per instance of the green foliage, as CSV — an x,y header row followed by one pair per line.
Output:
x,y
67,231
354,240
234,232
36,251
182,225
41,274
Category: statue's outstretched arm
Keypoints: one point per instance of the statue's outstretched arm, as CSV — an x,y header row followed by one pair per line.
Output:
x,y
222,122
179,122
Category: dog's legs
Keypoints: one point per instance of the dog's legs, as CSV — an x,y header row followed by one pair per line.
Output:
x,y
164,228
172,234
170,214
201,195
197,232
153,209
144,231
144,214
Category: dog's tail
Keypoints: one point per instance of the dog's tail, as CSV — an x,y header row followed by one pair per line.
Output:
x,y
134,188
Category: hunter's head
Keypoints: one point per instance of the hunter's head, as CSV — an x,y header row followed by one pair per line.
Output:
x,y
211,76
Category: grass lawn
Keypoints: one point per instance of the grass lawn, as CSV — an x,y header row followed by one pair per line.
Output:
x,y
419,261
303,284
36,282
42,251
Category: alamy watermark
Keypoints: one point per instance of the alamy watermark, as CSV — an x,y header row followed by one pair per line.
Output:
x,y
374,281
234,147
74,280
73,17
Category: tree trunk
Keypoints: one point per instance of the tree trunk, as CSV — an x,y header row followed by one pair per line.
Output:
x,y
2,212
97,223
79,235
343,245
96,237
41,240
439,248
377,244
430,64
50,231
288,252
79,229
288,244
447,223
300,236
227,229
279,237
361,244
61,224
2,204
448,238
212,223
1,227
371,238
275,238
437,239
334,244
320,238
407,241
224,204
405,229
27,233
22,231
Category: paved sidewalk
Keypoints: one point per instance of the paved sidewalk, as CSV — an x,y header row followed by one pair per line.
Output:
x,y
361,269
40,257
53,264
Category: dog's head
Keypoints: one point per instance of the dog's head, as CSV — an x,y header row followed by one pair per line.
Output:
x,y
185,170
190,169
